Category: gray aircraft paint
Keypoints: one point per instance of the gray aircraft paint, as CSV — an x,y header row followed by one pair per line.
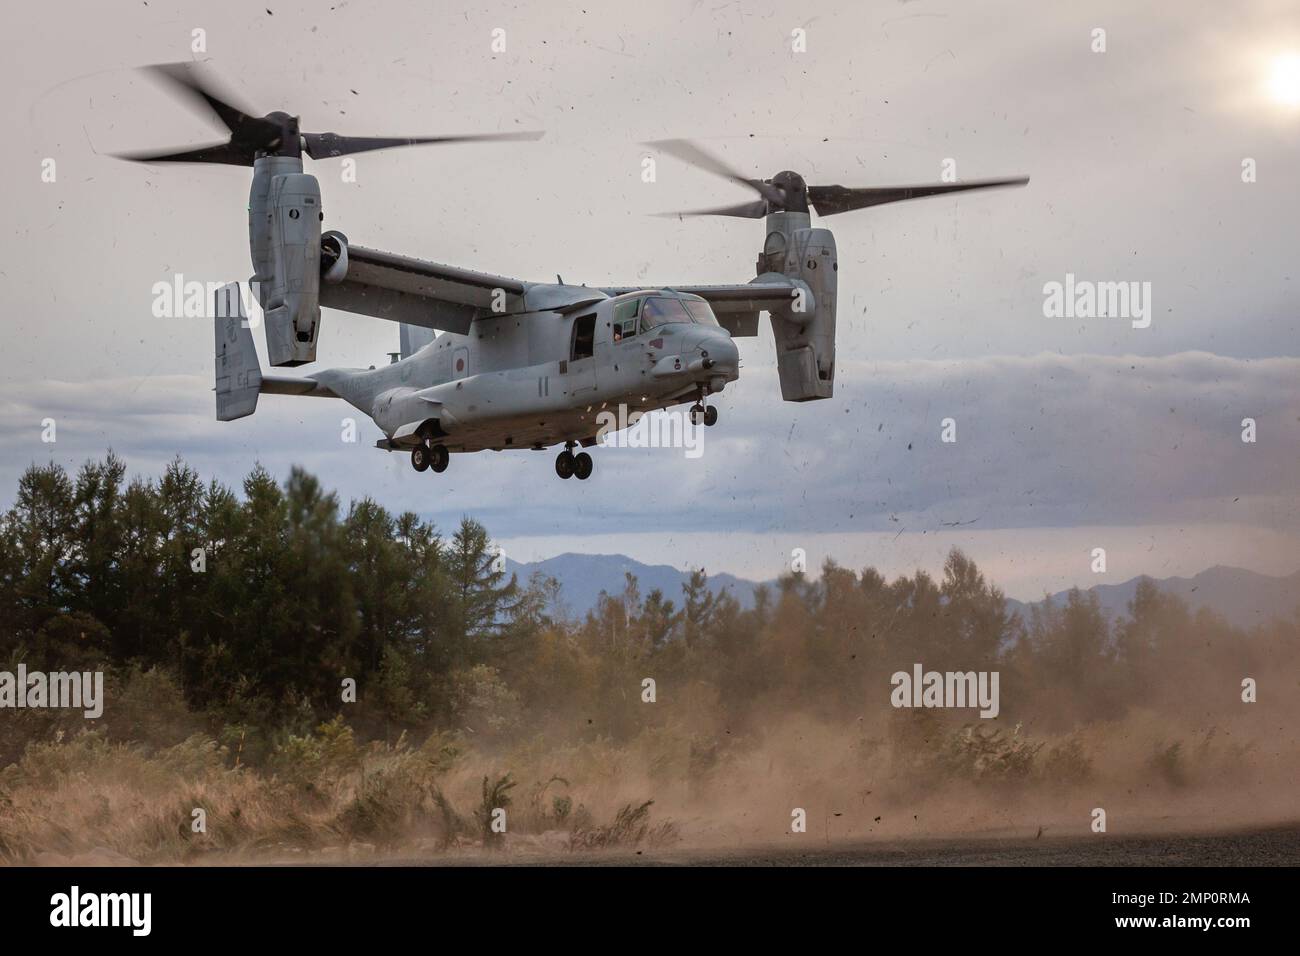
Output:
x,y
507,370
517,384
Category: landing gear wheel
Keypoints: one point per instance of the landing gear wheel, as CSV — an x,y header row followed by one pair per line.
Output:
x,y
711,416
582,466
697,414
564,464
439,458
420,456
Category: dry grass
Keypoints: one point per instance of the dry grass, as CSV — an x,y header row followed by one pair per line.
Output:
x,y
323,793
80,796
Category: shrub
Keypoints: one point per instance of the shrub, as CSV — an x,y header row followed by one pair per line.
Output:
x,y
630,827
1067,763
496,796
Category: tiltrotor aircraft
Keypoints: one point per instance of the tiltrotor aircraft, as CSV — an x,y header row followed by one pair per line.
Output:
x,y
516,364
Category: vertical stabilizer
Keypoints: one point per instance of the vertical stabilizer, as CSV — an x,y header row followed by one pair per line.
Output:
x,y
413,338
238,374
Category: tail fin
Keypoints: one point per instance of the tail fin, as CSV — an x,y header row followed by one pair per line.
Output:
x,y
239,377
413,338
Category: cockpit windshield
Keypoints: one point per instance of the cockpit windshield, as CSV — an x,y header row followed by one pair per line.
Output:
x,y
659,310
700,311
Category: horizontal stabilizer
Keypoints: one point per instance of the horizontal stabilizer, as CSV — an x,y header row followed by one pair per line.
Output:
x,y
284,385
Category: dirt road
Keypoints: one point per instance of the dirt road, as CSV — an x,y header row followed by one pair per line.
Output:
x,y
1272,846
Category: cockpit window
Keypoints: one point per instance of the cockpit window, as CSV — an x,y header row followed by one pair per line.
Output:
x,y
660,311
700,311
625,319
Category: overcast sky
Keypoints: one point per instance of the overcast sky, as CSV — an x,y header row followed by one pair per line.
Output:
x,y
1071,433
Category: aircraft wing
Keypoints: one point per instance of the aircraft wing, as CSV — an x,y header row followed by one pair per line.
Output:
x,y
736,306
415,291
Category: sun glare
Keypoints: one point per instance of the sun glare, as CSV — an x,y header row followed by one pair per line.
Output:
x,y
1284,79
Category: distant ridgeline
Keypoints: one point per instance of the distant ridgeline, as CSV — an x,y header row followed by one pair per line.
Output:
x,y
1243,598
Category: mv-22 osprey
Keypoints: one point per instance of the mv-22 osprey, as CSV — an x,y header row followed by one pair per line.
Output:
x,y
517,364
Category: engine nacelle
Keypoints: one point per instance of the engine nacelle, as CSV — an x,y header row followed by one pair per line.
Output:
x,y
805,332
284,217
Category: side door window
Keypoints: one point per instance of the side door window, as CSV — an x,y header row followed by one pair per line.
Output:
x,y
583,344
579,371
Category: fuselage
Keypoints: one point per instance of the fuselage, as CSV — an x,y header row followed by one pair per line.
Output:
x,y
534,379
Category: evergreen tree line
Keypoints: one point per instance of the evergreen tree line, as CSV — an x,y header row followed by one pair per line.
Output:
x,y
244,614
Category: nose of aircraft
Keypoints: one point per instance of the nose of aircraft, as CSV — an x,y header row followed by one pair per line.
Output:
x,y
721,349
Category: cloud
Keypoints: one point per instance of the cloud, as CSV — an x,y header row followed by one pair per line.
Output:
x,y
1042,441
1135,164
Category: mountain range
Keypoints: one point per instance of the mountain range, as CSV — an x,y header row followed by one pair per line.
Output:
x,y
1244,598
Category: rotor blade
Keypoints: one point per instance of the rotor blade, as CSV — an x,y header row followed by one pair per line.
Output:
x,y
324,145
829,200
185,79
227,153
748,210
691,154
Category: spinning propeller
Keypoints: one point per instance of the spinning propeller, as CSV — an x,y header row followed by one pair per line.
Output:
x,y
787,191
275,134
